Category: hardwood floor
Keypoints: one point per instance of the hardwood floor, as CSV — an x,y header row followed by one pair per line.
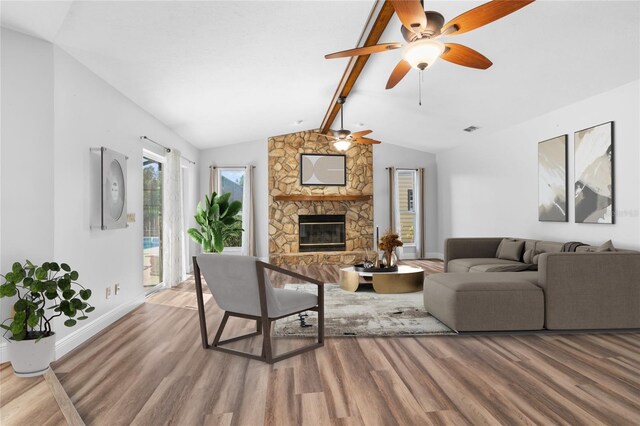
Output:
x,y
27,401
149,368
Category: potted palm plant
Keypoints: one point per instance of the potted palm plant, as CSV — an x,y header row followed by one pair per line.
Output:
x,y
43,292
219,221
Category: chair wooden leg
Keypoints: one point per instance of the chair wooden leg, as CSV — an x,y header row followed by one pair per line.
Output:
x,y
267,350
221,329
321,316
200,300
259,330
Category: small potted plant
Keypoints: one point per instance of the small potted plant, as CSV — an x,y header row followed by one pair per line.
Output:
x,y
44,292
219,221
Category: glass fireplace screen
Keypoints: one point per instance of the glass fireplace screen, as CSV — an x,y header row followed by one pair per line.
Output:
x,y
322,233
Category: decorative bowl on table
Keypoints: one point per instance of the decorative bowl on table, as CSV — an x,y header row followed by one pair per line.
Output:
x,y
359,267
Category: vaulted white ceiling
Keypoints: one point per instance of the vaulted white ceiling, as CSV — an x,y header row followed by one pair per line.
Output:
x,y
545,56
220,73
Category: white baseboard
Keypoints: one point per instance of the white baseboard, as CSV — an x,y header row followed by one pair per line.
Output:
x,y
434,255
4,355
81,335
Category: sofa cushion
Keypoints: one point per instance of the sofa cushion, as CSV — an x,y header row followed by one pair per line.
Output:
x,y
510,267
529,276
510,249
549,247
491,301
490,281
463,265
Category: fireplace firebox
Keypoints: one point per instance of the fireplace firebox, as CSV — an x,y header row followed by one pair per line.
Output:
x,y
322,232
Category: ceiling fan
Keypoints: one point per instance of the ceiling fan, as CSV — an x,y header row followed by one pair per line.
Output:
x,y
422,30
342,139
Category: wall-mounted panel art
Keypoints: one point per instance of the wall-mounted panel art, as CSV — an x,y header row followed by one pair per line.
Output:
x,y
552,180
593,171
323,169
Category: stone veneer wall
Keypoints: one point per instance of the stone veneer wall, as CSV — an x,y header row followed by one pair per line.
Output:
x,y
284,179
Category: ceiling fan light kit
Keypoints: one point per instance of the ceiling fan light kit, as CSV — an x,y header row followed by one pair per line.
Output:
x,y
422,53
342,145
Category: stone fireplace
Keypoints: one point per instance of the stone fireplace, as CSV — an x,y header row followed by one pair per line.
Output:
x,y
294,209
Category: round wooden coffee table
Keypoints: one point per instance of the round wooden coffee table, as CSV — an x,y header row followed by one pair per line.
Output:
x,y
407,279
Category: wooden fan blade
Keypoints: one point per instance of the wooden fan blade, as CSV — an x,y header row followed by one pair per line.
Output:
x,y
367,50
367,141
361,133
398,73
483,15
411,14
465,56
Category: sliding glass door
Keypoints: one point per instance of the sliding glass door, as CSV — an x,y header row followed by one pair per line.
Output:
x,y
152,220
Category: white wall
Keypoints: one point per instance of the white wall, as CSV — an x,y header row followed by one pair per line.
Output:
x,y
388,155
254,153
489,187
26,217
80,111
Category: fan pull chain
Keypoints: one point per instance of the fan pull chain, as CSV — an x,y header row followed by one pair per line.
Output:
x,y
420,88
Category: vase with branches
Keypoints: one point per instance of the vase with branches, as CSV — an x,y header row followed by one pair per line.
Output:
x,y
388,243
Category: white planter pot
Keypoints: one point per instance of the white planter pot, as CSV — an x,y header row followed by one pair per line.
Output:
x,y
30,358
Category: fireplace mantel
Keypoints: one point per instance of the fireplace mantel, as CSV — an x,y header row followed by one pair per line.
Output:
x,y
322,197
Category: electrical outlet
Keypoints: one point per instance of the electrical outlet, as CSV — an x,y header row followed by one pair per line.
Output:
x,y
108,292
116,289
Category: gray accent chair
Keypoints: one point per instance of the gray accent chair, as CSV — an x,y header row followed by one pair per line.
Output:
x,y
241,287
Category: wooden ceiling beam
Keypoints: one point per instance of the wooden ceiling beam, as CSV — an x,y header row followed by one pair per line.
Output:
x,y
376,24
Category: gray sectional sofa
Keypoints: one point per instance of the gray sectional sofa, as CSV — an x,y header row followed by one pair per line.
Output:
x,y
585,289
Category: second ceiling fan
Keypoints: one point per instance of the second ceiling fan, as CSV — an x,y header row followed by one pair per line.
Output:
x,y
343,138
422,29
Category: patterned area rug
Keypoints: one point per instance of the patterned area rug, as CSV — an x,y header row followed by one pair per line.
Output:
x,y
364,313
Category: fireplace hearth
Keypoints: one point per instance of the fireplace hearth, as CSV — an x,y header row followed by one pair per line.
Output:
x,y
322,232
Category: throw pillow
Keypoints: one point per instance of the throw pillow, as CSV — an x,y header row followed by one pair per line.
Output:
x,y
535,258
501,242
510,250
608,246
527,257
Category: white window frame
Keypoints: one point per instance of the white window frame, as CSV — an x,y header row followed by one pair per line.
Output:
x,y
219,170
409,250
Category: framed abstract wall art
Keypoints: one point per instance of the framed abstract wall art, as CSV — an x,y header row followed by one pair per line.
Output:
x,y
593,171
552,180
323,170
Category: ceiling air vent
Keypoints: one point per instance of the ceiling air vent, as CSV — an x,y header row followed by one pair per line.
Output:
x,y
471,129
